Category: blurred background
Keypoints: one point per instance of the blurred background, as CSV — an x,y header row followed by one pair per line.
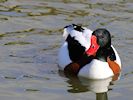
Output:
x,y
31,35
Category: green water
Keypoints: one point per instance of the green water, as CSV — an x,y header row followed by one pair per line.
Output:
x,y
30,37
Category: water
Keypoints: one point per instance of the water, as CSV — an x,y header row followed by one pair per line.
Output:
x,y
30,37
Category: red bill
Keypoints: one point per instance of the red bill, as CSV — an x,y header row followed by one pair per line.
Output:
x,y
94,46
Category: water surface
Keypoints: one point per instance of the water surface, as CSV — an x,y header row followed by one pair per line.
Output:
x,y
30,37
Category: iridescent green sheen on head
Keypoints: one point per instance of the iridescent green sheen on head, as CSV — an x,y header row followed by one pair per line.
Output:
x,y
103,37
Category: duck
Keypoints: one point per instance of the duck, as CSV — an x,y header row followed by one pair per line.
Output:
x,y
89,54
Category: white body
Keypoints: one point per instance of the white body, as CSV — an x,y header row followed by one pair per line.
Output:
x,y
96,69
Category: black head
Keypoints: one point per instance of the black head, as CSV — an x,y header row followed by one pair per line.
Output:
x,y
104,40
103,37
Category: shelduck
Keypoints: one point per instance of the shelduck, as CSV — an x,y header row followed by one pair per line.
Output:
x,y
88,54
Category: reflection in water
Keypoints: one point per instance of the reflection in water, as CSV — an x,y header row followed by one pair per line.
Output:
x,y
76,86
97,86
100,87
101,96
